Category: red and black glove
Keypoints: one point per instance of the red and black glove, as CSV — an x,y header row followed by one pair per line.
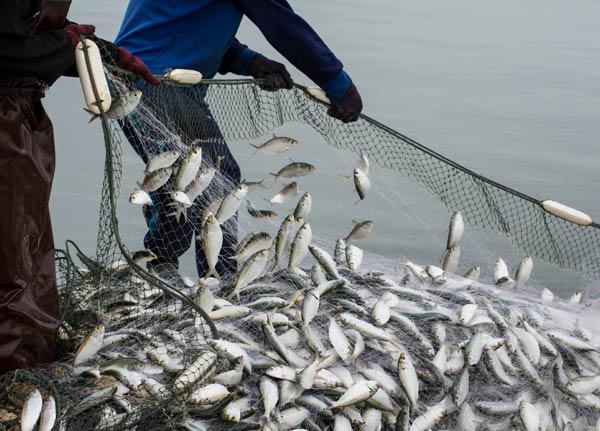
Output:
x,y
127,61
75,30
349,107
274,74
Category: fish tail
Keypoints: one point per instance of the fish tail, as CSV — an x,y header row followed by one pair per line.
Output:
x,y
345,178
213,272
93,114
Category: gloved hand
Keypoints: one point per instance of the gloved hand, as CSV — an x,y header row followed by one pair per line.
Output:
x,y
348,108
275,74
75,30
127,61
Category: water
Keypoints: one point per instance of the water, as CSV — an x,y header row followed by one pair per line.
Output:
x,y
511,91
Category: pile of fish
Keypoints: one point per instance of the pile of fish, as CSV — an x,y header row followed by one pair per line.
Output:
x,y
330,347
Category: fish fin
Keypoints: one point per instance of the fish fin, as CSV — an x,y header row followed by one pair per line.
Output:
x,y
345,178
358,201
275,175
213,272
355,222
93,114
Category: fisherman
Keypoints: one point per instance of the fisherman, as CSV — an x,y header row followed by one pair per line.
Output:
x,y
36,48
200,35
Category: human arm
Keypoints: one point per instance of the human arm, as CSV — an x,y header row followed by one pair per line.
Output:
x,y
24,52
295,39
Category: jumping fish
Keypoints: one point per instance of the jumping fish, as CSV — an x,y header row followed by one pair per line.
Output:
x,y
276,145
294,169
289,191
360,230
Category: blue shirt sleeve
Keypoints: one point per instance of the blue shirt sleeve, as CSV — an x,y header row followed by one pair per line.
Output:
x,y
237,58
296,40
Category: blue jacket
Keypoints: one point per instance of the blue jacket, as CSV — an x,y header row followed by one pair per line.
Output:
x,y
200,35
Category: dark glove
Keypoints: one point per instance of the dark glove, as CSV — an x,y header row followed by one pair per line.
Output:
x,y
275,74
75,30
348,108
127,61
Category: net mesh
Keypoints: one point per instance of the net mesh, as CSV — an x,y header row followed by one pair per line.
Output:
x,y
141,348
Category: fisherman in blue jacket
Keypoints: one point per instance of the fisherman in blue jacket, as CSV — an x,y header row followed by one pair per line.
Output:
x,y
200,35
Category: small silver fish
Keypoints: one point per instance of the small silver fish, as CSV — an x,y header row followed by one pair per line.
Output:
x,y
140,197
260,214
162,160
455,230
231,203
360,230
294,169
155,180
188,169
212,240
303,207
288,191
276,145
121,107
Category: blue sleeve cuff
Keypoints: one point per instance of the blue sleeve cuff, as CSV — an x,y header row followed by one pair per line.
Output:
x,y
337,87
242,61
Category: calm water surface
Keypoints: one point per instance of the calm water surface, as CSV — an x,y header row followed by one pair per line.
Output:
x,y
509,89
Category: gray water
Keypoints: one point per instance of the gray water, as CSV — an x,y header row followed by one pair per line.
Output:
x,y
508,89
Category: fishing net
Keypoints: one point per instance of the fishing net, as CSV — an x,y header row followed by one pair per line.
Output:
x,y
310,332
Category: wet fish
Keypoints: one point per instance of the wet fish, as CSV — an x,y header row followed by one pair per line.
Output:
x,y
200,183
360,230
231,203
456,230
162,160
90,345
260,214
293,170
303,208
121,107
300,245
32,408
188,169
212,240
253,267
289,191
276,145
140,197
155,180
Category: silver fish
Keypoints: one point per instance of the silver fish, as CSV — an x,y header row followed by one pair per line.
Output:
x,y
188,169
162,160
200,183
212,240
140,197
360,230
294,169
276,145
231,203
90,345
303,208
155,180
300,245
121,107
451,259
48,415
32,408
524,271
289,191
253,267
260,214
455,230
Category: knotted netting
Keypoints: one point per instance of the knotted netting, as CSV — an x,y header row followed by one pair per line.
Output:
x,y
281,349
